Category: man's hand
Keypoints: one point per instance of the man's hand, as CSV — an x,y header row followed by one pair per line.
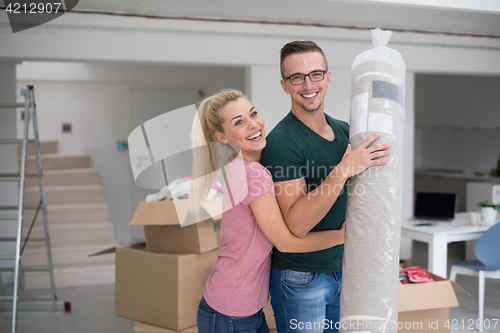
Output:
x,y
302,210
363,157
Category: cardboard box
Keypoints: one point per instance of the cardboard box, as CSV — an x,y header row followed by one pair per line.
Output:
x,y
162,222
146,328
158,288
425,307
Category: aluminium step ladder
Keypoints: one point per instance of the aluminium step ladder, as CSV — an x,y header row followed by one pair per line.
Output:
x,y
15,302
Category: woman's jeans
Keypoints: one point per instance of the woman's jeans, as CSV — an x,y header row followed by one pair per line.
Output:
x,y
305,302
211,321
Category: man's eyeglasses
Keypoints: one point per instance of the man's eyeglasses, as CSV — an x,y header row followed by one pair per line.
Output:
x,y
297,79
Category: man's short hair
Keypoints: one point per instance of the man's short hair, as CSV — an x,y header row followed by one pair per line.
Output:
x,y
299,46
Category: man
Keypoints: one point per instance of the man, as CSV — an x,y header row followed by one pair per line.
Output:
x,y
309,156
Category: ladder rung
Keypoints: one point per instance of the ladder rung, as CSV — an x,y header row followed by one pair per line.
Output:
x,y
7,257
14,239
8,217
7,298
8,239
12,105
41,299
14,177
37,304
17,207
7,269
12,141
9,179
24,269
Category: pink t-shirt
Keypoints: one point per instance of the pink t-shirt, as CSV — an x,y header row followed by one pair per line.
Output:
x,y
239,282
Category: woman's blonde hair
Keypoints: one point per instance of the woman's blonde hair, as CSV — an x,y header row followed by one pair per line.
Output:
x,y
209,154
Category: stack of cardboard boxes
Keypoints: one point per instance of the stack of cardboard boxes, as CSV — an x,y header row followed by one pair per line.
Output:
x,y
160,282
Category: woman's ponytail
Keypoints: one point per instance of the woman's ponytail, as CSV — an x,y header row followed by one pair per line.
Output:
x,y
209,154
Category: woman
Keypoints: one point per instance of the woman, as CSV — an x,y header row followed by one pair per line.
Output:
x,y
237,289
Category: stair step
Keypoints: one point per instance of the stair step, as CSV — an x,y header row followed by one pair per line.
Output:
x,y
72,276
64,254
69,213
58,161
46,147
74,233
85,176
65,194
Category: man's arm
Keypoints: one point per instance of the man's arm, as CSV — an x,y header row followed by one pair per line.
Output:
x,y
302,210
270,221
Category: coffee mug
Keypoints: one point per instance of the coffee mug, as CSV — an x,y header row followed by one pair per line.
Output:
x,y
474,219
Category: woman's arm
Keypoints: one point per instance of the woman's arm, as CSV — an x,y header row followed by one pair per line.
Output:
x,y
270,221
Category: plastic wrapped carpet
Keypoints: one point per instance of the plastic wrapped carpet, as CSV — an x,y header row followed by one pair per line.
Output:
x,y
369,299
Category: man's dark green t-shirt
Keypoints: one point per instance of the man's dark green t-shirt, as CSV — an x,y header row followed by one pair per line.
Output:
x,y
295,151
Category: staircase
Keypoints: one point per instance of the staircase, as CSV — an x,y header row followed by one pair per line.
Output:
x,y
78,221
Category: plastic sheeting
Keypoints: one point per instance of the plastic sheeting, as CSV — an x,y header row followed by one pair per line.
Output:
x,y
369,299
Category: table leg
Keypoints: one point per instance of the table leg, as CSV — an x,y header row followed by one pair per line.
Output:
x,y
438,256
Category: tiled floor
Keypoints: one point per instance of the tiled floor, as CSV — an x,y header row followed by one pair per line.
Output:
x,y
464,316
93,311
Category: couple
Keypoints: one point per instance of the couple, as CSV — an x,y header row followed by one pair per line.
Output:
x,y
283,222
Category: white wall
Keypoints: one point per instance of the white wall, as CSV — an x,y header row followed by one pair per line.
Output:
x,y
104,103
457,122
265,92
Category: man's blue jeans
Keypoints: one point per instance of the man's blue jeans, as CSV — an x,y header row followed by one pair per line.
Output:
x,y
212,321
305,302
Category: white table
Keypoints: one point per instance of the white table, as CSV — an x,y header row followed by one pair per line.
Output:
x,y
439,235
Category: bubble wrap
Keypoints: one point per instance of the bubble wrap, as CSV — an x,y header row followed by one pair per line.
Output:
x,y
369,299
